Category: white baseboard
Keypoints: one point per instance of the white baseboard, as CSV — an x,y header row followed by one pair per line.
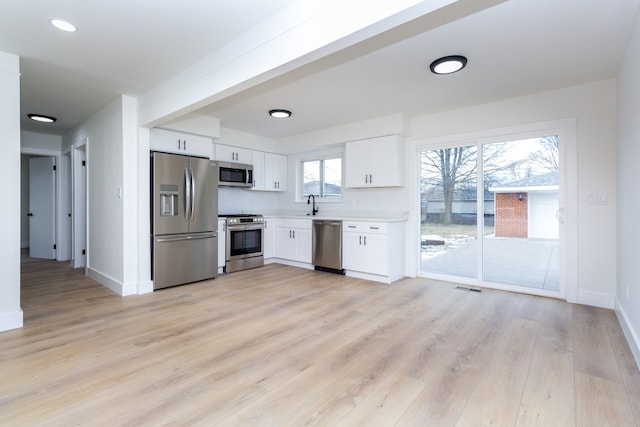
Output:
x,y
11,320
289,262
145,287
629,332
368,276
126,289
596,299
106,281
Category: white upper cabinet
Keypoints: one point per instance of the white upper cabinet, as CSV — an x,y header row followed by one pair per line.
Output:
x,y
257,160
227,153
180,143
375,162
269,171
275,172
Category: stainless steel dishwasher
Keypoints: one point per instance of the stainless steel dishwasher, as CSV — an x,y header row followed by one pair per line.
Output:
x,y
327,246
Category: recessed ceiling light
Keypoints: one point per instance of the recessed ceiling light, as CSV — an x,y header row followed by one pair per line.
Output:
x,y
63,25
280,114
42,118
448,64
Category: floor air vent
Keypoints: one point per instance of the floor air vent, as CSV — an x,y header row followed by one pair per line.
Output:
x,y
464,288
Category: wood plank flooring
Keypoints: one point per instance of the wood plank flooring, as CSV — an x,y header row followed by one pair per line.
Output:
x,y
281,346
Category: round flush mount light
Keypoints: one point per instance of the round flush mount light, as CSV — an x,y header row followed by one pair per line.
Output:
x,y
448,64
63,25
280,114
42,118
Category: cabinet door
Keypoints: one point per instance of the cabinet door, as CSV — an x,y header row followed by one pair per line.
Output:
x,y
284,243
376,253
275,172
357,164
222,242
302,238
269,238
228,153
376,162
352,251
179,143
258,162
386,162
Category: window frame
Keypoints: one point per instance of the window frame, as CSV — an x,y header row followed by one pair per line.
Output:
x,y
319,156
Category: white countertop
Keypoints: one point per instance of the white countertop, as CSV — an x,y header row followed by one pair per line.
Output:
x,y
341,216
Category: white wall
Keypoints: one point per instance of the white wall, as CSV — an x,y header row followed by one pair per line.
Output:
x,y
40,141
594,107
112,187
628,286
10,311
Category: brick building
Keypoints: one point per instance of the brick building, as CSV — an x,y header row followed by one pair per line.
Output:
x,y
527,208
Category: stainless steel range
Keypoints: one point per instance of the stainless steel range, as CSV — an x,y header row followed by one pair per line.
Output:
x,y
245,244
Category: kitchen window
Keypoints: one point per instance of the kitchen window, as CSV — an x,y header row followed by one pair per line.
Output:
x,y
322,177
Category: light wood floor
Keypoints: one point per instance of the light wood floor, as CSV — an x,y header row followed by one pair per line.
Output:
x,y
281,346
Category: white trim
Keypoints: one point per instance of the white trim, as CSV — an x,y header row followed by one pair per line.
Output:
x,y
122,289
566,130
524,189
289,263
145,287
11,320
469,281
629,332
596,299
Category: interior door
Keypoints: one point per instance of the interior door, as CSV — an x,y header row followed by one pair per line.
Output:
x,y
42,207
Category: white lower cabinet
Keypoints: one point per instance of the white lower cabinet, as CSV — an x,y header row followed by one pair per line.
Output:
x,y
222,243
373,248
269,238
293,240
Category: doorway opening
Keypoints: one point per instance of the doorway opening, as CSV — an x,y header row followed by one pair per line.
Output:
x,y
491,213
38,207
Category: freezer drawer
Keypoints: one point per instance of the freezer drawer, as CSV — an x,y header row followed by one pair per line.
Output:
x,y
186,258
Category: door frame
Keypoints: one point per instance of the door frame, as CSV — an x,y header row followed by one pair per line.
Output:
x,y
79,203
566,130
59,226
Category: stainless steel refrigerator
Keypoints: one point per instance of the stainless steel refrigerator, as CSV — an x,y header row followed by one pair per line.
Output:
x,y
184,200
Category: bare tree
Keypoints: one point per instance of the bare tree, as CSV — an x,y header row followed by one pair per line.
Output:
x,y
455,166
548,157
449,169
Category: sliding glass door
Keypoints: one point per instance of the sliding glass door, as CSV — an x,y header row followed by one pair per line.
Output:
x,y
490,213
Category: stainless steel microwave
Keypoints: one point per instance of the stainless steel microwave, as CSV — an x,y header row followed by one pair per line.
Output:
x,y
235,174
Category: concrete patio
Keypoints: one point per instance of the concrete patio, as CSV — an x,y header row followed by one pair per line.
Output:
x,y
532,263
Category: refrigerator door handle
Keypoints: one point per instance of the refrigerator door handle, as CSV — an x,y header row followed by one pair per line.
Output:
x,y
187,195
193,195
177,239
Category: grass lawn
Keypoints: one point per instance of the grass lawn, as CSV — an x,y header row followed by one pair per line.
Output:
x,y
453,230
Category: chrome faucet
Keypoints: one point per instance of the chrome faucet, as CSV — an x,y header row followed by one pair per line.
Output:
x,y
314,210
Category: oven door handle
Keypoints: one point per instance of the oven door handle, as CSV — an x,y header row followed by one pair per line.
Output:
x,y
242,227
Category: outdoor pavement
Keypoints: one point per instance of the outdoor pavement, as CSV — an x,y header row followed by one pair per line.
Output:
x,y
532,263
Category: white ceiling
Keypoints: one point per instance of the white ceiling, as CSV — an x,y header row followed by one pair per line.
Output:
x,y
128,47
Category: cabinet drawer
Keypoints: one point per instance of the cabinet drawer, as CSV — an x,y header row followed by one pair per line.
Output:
x,y
365,227
293,223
